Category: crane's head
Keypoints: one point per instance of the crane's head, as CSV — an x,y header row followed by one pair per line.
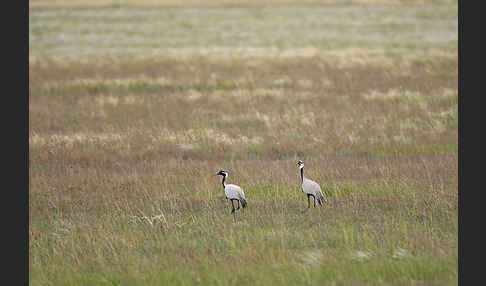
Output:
x,y
300,164
222,173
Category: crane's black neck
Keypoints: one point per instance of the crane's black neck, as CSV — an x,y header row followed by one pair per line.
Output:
x,y
302,173
223,182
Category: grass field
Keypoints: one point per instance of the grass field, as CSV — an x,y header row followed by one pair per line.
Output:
x,y
134,105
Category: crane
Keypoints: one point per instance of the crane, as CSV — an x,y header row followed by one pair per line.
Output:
x,y
232,192
310,188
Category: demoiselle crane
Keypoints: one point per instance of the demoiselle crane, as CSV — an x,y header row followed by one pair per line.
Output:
x,y
233,192
310,188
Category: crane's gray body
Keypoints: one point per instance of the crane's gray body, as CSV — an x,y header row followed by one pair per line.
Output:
x,y
234,192
312,188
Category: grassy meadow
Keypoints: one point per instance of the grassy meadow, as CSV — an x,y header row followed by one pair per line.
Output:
x,y
134,105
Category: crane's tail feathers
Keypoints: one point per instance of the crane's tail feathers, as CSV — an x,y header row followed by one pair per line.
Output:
x,y
243,203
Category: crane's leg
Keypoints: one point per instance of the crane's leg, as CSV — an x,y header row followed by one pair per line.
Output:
x,y
308,201
314,200
233,210
238,201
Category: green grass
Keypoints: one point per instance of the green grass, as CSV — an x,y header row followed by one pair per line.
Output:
x,y
194,240
204,245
